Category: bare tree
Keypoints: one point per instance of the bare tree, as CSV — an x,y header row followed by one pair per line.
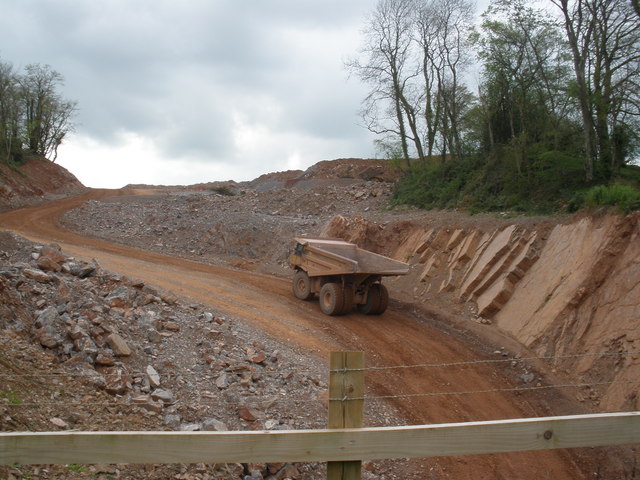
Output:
x,y
453,22
443,28
388,67
413,58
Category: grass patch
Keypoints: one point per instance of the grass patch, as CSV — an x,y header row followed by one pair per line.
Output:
x,y
625,197
11,397
516,182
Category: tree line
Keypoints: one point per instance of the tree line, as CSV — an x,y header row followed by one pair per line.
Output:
x,y
34,118
519,83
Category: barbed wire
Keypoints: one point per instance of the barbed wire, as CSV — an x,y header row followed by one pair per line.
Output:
x,y
247,368
483,361
495,390
205,395
201,399
145,374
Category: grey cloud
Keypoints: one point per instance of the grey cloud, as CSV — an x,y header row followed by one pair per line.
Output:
x,y
175,72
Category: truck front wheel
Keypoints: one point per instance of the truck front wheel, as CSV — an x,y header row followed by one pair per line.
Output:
x,y
302,285
332,299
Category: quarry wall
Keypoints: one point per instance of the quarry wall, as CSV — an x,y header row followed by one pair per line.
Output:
x,y
567,289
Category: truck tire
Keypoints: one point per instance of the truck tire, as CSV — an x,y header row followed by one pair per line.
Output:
x,y
331,299
384,300
348,300
377,300
302,285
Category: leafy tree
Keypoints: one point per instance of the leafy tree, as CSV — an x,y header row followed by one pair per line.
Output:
x,y
558,96
604,38
46,115
525,74
10,143
33,115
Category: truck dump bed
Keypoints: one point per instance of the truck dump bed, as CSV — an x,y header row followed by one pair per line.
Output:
x,y
327,256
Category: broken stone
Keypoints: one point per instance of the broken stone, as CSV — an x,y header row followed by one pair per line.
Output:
x,y
53,251
214,425
46,318
247,413
164,396
169,298
147,403
117,383
37,275
258,357
118,345
119,298
172,420
48,265
222,381
58,422
154,378
78,269
171,326
105,359
48,337
86,346
190,427
75,332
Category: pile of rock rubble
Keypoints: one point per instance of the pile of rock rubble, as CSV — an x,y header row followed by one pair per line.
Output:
x,y
86,349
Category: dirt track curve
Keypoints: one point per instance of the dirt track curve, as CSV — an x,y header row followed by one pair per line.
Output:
x,y
395,338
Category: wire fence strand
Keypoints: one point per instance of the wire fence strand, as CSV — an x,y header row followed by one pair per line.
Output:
x,y
486,361
494,390
371,368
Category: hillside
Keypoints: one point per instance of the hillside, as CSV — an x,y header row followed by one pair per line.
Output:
x,y
36,180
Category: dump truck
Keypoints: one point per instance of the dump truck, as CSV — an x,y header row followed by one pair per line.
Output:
x,y
342,275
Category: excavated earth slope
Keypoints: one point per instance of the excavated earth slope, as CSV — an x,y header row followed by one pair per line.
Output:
x,y
35,181
570,290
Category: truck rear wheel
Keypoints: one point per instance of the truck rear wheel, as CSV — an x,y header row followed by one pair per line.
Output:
x,y
377,300
332,299
384,300
302,285
348,299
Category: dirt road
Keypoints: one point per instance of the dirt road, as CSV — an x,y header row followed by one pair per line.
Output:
x,y
395,338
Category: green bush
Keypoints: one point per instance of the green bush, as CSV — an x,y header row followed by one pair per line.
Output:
x,y
625,197
533,181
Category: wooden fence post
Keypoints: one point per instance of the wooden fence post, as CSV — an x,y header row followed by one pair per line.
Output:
x,y
346,400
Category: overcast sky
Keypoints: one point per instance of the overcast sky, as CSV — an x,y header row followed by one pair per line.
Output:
x,y
181,92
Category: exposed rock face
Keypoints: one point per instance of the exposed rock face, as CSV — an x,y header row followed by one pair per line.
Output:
x,y
572,290
583,296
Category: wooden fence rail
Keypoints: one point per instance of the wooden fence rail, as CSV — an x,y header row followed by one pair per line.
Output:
x,y
321,445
